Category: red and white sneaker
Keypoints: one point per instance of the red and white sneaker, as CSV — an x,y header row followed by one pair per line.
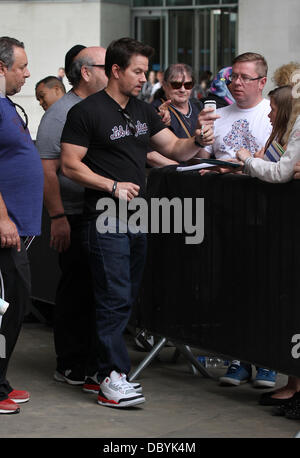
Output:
x,y
91,384
8,407
19,396
115,391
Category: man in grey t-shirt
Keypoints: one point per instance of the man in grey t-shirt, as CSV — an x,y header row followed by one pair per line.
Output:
x,y
74,320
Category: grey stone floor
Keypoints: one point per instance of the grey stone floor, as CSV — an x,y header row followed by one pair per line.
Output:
x,y
178,403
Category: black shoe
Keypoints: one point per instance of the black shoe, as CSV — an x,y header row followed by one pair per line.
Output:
x,y
292,411
291,408
267,400
70,376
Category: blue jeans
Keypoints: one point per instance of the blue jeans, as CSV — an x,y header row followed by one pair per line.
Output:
x,y
116,262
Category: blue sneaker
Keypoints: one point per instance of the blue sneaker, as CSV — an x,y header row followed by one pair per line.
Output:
x,y
236,374
264,378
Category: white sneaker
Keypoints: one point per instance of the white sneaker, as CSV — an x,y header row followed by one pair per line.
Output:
x,y
115,391
135,385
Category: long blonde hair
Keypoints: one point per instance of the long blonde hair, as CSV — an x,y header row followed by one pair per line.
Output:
x,y
294,115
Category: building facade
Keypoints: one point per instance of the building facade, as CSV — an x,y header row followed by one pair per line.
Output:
x,y
205,34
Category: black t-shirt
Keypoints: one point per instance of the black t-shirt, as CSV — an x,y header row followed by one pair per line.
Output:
x,y
113,150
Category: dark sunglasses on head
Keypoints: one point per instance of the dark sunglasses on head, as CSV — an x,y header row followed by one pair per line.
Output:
x,y
178,84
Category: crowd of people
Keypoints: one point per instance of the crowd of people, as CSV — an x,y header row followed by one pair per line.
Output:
x,y
94,142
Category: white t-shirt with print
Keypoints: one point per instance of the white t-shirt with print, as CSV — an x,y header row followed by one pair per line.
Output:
x,y
241,128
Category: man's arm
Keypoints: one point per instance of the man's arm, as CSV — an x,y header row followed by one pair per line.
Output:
x,y
181,149
155,159
8,231
60,228
73,167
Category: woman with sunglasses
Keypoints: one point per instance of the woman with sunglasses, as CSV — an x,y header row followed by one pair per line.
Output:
x,y
177,85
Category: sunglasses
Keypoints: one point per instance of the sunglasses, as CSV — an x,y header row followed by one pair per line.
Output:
x,y
129,121
22,114
97,65
178,84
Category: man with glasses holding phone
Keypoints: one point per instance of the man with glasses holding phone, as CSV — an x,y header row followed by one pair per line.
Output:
x,y
74,322
21,197
244,124
104,146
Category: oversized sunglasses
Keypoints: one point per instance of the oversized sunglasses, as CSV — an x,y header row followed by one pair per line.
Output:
x,y
178,84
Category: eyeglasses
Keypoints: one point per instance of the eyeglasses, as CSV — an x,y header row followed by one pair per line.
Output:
x,y
178,84
244,79
23,114
129,121
97,65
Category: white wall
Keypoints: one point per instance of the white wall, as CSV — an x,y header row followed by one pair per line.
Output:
x,y
272,28
48,30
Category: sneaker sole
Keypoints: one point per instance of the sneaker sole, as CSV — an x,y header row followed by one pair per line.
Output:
x,y
231,381
129,403
61,378
90,390
19,401
9,412
263,384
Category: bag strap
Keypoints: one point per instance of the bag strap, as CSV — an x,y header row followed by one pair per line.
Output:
x,y
180,120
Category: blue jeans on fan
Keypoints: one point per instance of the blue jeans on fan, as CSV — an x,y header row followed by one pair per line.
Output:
x,y
117,262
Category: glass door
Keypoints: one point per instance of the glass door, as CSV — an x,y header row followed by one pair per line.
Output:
x,y
223,37
151,29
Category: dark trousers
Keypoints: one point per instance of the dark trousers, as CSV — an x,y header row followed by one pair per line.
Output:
x,y
74,316
117,262
15,271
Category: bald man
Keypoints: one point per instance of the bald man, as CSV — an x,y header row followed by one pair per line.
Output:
x,y
73,318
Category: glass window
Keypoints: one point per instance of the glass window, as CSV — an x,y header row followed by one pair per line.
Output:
x,y
147,2
179,2
209,2
181,37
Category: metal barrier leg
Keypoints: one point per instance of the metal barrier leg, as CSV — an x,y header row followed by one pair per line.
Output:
x,y
187,353
156,349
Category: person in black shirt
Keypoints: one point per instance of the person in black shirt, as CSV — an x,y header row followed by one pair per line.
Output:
x,y
104,145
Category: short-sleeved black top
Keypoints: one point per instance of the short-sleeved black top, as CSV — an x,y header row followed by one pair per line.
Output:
x,y
114,152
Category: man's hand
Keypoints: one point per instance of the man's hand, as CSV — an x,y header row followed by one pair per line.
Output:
x,y
243,154
297,171
164,113
205,135
207,117
223,169
60,234
127,191
9,234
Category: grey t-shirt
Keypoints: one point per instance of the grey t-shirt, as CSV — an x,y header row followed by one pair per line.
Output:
x,y
48,145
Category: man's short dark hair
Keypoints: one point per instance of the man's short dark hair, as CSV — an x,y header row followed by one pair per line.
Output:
x,y
51,81
120,52
7,45
261,63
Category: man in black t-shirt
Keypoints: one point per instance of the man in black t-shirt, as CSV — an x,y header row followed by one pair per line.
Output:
x,y
104,145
